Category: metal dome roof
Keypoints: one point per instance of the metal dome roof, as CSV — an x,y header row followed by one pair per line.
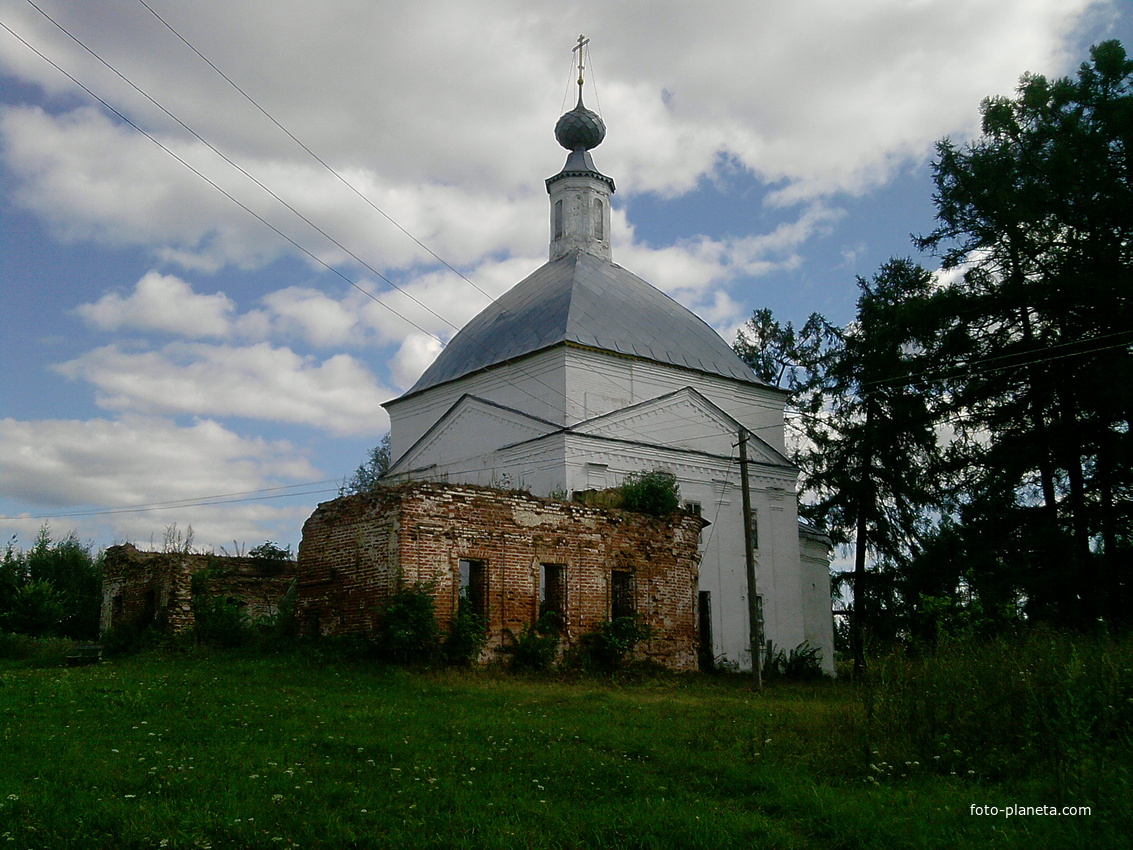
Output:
x,y
583,299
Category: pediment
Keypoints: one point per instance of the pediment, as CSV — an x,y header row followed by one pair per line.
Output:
x,y
472,427
683,419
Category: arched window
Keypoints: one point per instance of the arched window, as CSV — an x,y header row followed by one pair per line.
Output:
x,y
599,219
558,219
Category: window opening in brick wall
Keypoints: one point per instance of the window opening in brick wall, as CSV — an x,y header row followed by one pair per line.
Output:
x,y
552,592
599,220
116,607
695,509
705,654
149,606
558,219
621,594
474,585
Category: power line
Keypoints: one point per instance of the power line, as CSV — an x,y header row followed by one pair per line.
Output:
x,y
314,155
258,217
329,168
255,180
275,196
176,505
1032,358
216,186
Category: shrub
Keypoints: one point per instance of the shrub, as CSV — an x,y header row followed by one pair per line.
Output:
x,y
537,646
55,587
218,621
467,634
654,493
610,646
269,551
407,627
37,610
282,626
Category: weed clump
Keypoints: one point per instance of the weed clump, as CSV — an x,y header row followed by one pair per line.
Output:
x,y
803,663
1046,703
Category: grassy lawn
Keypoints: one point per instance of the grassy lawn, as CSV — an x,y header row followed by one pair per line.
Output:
x,y
215,749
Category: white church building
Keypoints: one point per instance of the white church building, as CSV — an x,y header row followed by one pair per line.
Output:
x,y
582,374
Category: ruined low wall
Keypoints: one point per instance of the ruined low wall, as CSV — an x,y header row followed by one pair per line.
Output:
x,y
357,549
143,587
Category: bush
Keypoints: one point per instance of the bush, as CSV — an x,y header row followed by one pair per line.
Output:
x,y
407,627
537,647
218,621
269,551
610,646
53,588
282,626
36,610
467,634
654,493
132,636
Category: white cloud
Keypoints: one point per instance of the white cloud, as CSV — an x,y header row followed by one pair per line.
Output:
x,y
318,318
146,461
816,97
413,358
162,303
338,395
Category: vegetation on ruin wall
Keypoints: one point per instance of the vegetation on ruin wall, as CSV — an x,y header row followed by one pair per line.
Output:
x,y
200,748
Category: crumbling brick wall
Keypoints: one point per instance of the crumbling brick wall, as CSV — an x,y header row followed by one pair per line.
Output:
x,y
357,549
143,587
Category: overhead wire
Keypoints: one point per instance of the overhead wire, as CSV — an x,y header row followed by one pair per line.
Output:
x,y
288,206
258,182
180,504
305,219
315,156
212,182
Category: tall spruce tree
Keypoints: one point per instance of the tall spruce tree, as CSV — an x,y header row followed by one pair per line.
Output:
x,y
871,463
868,453
1038,215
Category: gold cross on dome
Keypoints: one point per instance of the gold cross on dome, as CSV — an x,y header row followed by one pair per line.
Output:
x,y
582,42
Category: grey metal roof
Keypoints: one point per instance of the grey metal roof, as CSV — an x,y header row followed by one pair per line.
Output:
x,y
586,300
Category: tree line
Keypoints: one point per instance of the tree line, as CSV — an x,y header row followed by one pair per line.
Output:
x,y
970,431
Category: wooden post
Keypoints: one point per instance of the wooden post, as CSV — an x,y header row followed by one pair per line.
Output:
x,y
754,636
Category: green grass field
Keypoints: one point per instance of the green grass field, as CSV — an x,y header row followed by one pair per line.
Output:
x,y
215,749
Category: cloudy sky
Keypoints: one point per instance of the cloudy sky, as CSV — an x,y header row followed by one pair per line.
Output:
x,y
228,231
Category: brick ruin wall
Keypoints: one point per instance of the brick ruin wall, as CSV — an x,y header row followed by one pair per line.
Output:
x,y
141,587
356,549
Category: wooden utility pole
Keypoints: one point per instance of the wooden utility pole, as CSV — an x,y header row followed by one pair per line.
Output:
x,y
754,635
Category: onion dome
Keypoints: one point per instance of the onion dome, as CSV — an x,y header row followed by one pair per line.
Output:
x,y
580,129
